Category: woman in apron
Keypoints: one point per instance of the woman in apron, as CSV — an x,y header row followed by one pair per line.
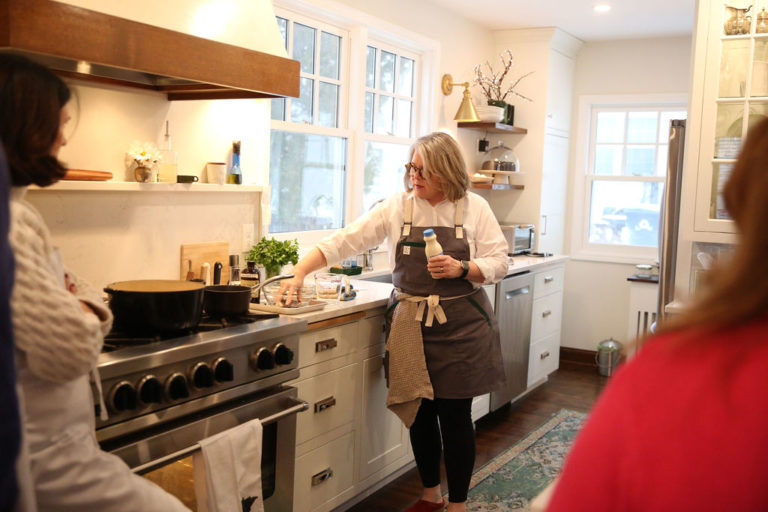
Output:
x,y
442,337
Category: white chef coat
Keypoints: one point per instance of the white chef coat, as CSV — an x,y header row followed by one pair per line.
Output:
x,y
487,244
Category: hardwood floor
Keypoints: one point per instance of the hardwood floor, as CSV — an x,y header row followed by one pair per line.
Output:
x,y
573,387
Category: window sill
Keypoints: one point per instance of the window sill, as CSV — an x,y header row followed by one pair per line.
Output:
x,y
612,258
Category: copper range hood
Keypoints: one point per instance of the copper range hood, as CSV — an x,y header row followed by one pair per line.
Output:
x,y
89,45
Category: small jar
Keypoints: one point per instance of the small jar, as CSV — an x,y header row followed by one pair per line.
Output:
x,y
250,277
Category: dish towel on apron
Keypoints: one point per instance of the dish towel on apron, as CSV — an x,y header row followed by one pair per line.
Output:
x,y
228,478
408,376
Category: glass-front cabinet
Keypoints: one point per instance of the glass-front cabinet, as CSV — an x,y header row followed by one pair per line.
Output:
x,y
735,97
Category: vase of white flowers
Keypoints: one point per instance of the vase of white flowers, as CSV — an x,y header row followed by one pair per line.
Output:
x,y
143,158
493,87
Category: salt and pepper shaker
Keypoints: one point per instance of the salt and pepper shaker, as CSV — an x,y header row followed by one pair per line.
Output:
x,y
234,270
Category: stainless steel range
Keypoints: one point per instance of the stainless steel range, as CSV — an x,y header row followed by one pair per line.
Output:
x,y
164,396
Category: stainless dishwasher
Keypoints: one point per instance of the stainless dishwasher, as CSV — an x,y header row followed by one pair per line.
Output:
x,y
514,299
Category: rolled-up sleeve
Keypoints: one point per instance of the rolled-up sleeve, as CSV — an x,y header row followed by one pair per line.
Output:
x,y
366,232
491,248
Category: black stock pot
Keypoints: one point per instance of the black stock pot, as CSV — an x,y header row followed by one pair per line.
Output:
x,y
155,307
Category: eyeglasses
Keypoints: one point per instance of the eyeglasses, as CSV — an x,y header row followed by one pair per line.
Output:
x,y
411,167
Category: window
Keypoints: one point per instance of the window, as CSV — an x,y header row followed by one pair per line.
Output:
x,y
342,145
308,147
622,180
388,124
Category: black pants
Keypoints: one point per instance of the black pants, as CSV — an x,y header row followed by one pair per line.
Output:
x,y
445,425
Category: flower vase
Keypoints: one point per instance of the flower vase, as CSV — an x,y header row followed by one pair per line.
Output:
x,y
142,174
509,111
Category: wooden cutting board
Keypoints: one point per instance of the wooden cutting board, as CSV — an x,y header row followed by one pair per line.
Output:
x,y
205,252
83,175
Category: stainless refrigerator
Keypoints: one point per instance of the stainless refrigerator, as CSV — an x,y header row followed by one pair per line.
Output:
x,y
670,217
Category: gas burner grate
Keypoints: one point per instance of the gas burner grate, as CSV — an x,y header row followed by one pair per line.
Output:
x,y
208,323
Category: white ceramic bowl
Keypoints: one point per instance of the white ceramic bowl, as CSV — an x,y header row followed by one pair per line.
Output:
x,y
490,113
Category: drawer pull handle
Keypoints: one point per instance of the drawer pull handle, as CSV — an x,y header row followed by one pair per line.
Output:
x,y
324,345
322,476
546,313
548,279
324,404
544,355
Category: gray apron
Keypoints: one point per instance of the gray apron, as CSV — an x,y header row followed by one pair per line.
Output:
x,y
463,355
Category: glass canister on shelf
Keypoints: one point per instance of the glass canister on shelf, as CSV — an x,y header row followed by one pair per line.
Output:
x,y
761,25
737,21
500,158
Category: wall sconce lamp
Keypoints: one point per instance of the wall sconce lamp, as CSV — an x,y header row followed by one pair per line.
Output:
x,y
466,112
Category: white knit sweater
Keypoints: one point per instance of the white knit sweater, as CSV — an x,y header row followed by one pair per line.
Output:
x,y
59,341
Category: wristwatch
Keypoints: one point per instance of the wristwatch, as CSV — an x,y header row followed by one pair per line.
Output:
x,y
465,269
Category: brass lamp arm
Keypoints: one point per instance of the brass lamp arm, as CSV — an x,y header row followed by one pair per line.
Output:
x,y
447,84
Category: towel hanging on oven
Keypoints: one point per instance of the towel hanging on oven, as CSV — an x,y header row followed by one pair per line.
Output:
x,y
228,470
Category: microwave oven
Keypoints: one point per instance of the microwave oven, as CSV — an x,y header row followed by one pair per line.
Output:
x,y
520,237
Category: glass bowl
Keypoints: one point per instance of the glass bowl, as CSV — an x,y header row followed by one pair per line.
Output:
x,y
328,285
306,294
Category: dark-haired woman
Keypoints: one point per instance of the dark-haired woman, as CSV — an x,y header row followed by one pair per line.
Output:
x,y
683,425
59,320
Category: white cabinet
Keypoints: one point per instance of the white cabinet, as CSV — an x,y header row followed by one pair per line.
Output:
x,y
348,442
550,54
729,93
546,323
324,476
383,437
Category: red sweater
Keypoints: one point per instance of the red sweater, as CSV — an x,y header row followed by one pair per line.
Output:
x,y
677,429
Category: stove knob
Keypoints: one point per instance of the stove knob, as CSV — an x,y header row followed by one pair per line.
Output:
x,y
150,390
262,359
176,387
201,376
123,397
223,370
283,355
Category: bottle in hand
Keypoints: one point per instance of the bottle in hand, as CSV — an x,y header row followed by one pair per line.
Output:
x,y
433,247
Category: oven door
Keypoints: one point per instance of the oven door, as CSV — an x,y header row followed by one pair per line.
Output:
x,y
163,454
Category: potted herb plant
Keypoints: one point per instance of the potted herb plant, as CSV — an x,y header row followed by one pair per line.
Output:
x,y
273,254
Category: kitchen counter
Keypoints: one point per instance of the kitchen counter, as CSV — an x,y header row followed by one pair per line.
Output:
x,y
372,294
520,263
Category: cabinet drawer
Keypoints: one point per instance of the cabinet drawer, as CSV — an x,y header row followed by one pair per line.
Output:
x,y
547,316
544,357
331,402
548,281
324,344
371,331
323,474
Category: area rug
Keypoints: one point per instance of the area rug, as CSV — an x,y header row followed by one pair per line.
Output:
x,y
512,479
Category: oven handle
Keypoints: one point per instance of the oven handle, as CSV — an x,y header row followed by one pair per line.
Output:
x,y
300,406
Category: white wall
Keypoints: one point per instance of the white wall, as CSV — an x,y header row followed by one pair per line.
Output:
x,y
596,298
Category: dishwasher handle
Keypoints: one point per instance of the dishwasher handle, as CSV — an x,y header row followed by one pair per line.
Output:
x,y
525,290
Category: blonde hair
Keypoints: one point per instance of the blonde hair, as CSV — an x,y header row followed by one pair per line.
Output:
x,y
442,158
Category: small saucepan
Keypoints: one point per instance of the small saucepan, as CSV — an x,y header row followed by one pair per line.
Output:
x,y
155,307
222,301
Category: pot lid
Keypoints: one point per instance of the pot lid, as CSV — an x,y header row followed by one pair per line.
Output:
x,y
153,286
609,345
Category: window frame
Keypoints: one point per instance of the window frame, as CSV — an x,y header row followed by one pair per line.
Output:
x,y
361,30
589,105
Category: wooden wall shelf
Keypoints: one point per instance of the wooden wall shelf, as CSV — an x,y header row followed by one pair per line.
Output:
x,y
494,127
98,47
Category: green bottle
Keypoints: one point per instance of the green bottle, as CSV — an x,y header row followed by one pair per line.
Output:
x,y
235,177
